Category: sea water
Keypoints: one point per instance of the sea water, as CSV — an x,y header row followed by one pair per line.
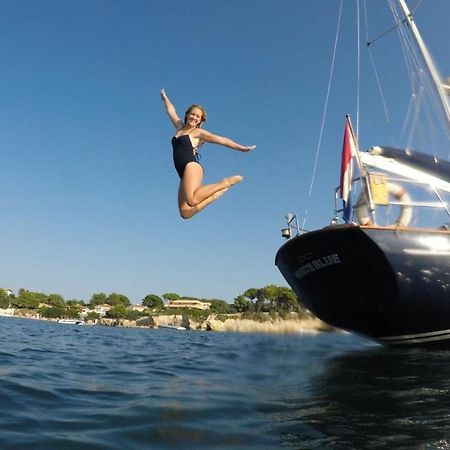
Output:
x,y
91,387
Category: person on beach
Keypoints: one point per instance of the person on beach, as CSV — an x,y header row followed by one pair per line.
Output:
x,y
193,196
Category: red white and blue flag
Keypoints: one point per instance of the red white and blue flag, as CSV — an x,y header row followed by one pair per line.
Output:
x,y
348,152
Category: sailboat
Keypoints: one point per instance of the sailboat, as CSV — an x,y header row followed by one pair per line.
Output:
x,y
376,269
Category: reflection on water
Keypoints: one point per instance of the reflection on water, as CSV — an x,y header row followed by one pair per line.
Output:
x,y
378,398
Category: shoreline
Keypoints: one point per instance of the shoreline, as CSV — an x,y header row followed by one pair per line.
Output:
x,y
233,323
294,324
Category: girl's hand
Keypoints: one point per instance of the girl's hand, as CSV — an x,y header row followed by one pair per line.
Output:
x,y
249,148
163,95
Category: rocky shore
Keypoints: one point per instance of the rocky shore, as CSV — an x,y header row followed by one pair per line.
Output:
x,y
263,323
234,323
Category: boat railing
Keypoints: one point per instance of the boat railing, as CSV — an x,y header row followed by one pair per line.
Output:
x,y
399,192
292,229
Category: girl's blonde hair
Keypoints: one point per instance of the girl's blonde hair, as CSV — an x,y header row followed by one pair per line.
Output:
x,y
201,108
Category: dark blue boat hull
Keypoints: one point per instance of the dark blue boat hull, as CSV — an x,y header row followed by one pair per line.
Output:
x,y
389,284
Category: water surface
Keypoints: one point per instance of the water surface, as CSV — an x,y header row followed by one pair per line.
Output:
x,y
83,387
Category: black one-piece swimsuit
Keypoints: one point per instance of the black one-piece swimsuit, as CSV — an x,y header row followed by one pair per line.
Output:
x,y
183,153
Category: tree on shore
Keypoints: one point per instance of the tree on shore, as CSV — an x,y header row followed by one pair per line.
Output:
x,y
241,304
112,299
286,300
268,298
153,301
28,299
221,307
71,312
115,299
97,299
257,297
171,296
92,316
117,312
4,299
74,302
54,300
122,312
52,312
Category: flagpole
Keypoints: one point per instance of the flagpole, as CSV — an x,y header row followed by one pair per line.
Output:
x,y
362,170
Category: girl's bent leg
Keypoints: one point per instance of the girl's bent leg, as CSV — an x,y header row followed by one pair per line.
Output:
x,y
195,193
187,211
204,192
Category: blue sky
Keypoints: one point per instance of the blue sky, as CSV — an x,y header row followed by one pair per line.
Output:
x,y
89,190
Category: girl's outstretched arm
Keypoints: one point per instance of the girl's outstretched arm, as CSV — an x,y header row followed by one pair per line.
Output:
x,y
206,136
171,112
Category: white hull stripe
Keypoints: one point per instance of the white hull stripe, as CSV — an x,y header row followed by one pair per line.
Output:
x,y
416,338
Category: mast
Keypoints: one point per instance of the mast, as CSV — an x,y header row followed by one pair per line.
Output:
x,y
428,61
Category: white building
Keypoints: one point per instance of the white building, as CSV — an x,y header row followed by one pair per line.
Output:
x,y
102,309
185,303
139,308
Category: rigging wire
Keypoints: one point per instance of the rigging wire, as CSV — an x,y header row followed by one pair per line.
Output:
x,y
413,68
382,35
413,106
422,86
313,176
375,70
417,94
358,67
397,24
423,93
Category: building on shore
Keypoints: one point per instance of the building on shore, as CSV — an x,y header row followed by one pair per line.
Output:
x,y
139,308
101,309
187,303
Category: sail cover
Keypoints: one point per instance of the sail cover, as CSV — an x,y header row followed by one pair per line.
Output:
x,y
410,164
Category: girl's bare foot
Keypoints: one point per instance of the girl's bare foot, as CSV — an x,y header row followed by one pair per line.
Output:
x,y
233,180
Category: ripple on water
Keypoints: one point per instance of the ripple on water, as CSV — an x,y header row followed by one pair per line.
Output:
x,y
110,388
